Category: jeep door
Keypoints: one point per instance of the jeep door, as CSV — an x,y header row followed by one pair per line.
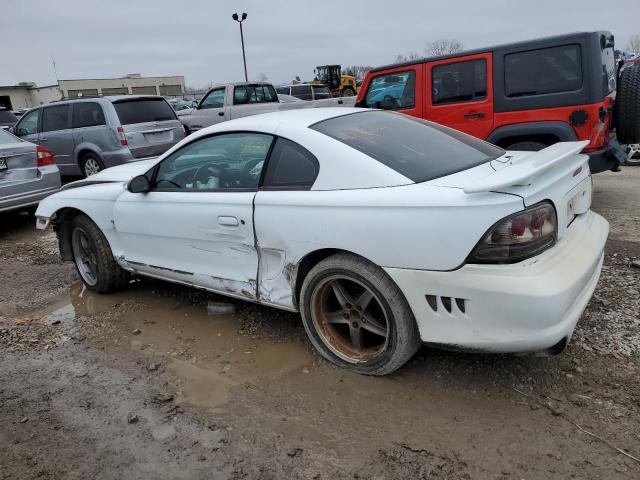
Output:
x,y
459,93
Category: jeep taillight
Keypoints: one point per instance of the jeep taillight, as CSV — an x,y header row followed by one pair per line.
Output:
x,y
518,236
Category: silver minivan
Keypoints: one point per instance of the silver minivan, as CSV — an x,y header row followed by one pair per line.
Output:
x,y
89,134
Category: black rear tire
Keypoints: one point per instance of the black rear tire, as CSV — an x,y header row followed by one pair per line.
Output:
x,y
348,92
626,112
402,338
526,146
107,275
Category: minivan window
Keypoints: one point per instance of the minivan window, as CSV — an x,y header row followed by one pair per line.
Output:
x,y
215,99
28,124
87,114
393,91
290,166
547,70
55,118
415,148
142,110
459,82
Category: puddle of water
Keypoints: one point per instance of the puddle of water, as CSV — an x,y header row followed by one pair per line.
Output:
x,y
206,353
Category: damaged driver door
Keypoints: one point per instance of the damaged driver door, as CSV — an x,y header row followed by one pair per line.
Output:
x,y
195,224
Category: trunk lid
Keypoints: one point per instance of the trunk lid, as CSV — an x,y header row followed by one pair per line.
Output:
x,y
18,163
150,125
558,173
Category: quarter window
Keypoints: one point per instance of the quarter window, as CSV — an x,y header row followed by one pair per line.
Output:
x,y
547,70
229,161
55,118
29,124
459,82
393,91
87,114
215,99
290,166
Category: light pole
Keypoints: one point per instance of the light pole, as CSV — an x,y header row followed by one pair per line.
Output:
x,y
244,59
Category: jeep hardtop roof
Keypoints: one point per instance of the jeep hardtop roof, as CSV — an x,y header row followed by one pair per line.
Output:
x,y
535,43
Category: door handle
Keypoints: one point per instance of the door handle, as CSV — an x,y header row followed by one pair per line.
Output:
x,y
474,115
228,221
221,114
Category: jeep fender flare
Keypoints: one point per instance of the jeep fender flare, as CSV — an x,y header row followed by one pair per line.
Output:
x,y
563,131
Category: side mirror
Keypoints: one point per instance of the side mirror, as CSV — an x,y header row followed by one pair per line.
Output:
x,y
139,184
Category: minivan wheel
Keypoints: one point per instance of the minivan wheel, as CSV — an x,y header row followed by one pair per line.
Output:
x,y
626,111
91,165
357,317
93,258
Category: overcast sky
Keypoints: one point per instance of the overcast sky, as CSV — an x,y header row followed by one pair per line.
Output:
x,y
198,38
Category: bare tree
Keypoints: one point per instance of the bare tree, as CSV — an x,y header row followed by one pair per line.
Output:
x,y
407,58
358,71
262,77
444,47
633,45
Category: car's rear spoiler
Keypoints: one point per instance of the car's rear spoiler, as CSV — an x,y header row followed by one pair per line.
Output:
x,y
526,169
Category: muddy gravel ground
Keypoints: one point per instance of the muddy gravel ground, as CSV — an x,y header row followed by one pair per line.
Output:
x,y
145,384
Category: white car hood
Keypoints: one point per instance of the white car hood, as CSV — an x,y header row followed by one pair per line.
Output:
x,y
121,173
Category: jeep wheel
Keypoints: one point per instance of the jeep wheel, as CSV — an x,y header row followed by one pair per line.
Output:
x,y
357,317
526,146
626,112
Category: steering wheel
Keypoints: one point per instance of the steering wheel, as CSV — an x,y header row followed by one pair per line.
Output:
x,y
389,102
205,171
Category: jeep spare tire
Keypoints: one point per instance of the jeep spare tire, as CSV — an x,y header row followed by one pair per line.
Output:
x,y
626,114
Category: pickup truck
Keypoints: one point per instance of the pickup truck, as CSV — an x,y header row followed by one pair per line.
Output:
x,y
234,100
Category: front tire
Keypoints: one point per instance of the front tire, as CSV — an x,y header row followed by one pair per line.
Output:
x,y
357,317
93,257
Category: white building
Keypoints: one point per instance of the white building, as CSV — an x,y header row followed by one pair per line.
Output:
x,y
27,94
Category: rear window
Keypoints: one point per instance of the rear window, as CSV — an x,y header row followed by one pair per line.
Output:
x,y
608,70
392,91
6,138
547,70
143,110
417,149
459,82
6,116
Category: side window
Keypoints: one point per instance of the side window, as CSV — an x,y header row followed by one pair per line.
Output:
x,y
459,82
290,166
393,91
303,92
547,70
29,124
227,161
282,90
215,99
55,118
87,114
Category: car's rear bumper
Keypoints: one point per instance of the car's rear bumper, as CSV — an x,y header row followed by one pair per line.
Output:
x,y
529,306
47,183
608,158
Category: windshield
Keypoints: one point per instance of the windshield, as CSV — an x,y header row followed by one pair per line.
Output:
x,y
142,110
417,149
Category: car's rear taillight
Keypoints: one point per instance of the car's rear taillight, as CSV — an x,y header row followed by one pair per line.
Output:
x,y
122,136
519,236
45,157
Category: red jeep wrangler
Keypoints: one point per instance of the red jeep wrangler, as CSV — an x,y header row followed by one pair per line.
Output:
x,y
521,96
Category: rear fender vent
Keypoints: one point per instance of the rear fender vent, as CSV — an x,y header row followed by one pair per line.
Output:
x,y
449,304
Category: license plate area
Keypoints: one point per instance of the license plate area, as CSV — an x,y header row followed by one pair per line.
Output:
x,y
158,137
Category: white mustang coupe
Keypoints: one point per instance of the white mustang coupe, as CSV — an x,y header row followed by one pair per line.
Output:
x,y
383,231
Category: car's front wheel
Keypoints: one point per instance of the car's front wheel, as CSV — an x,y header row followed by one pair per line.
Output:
x,y
93,258
357,317
91,165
